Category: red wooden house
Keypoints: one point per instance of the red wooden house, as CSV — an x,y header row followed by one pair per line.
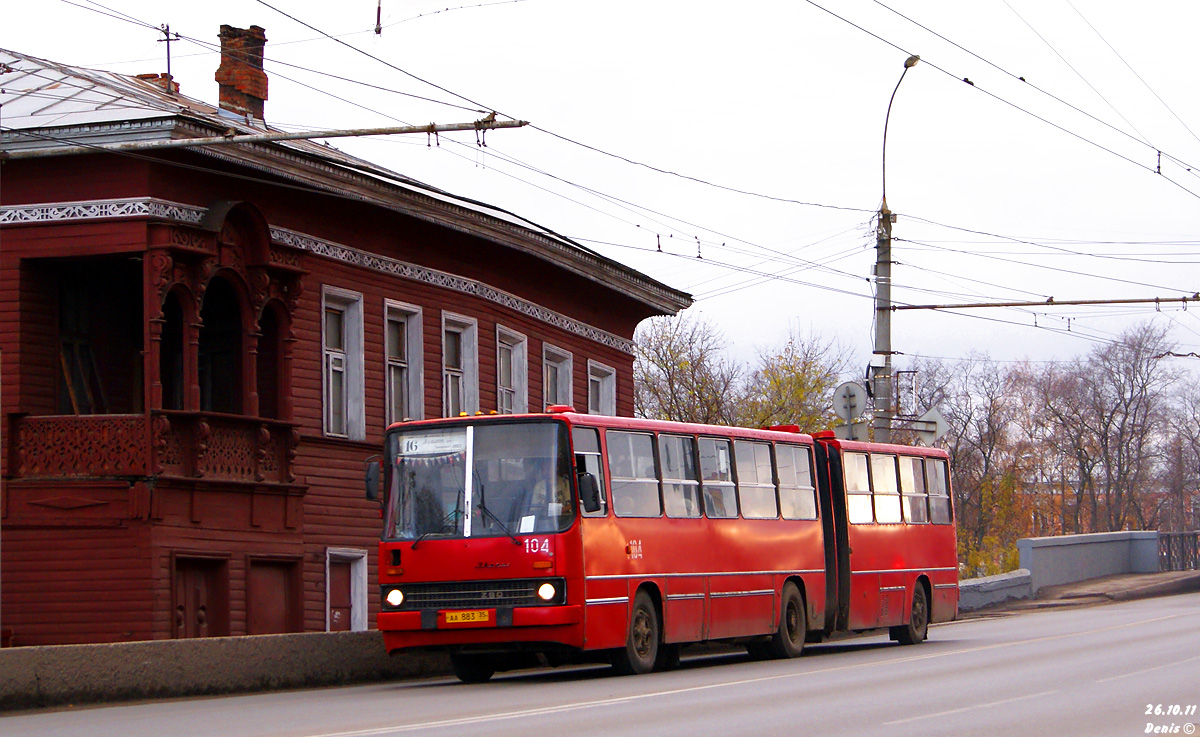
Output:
x,y
200,346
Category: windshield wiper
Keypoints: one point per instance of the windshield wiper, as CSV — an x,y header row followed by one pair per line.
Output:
x,y
452,515
483,508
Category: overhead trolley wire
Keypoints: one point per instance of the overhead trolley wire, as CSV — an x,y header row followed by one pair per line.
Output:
x,y
1047,93
1015,106
1131,69
575,142
1043,266
1079,74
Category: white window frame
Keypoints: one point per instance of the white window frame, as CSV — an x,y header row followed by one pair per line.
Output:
x,y
519,347
607,376
410,315
553,355
468,327
350,304
358,585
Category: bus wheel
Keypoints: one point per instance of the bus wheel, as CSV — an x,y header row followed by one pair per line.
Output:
x,y
788,640
641,645
918,624
472,668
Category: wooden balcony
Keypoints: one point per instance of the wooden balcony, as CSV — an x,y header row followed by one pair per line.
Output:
x,y
172,444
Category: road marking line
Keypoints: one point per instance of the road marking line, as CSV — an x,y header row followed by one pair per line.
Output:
x,y
463,721
1147,670
969,708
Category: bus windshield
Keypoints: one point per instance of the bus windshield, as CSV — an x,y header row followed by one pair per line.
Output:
x,y
518,474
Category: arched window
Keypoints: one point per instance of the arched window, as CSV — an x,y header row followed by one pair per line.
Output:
x,y
220,349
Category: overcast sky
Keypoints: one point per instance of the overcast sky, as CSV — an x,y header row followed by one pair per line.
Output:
x,y
1005,189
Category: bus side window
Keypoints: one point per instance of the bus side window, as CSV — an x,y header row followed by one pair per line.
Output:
x,y
681,487
912,490
858,488
716,474
939,492
887,495
755,481
796,498
632,471
587,461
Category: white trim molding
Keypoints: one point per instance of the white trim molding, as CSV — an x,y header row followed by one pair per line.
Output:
x,y
149,207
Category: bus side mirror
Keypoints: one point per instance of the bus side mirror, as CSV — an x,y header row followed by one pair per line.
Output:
x,y
589,493
371,478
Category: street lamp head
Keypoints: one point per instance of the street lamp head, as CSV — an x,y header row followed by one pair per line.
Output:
x,y
911,61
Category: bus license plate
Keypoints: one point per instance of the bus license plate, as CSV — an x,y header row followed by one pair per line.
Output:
x,y
473,616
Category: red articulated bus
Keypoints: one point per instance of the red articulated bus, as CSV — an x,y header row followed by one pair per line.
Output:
x,y
581,537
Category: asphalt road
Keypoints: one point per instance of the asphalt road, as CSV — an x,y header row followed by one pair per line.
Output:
x,y
1084,671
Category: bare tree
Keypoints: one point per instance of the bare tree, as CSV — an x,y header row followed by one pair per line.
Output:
x,y
1178,506
681,374
978,399
1108,413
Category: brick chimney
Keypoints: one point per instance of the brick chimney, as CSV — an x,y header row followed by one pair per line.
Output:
x,y
161,80
243,83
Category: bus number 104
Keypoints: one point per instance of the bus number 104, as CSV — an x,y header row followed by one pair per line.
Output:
x,y
537,545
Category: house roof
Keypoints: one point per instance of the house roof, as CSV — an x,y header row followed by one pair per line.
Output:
x,y
48,105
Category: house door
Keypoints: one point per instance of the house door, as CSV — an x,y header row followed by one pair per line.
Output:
x,y
340,602
200,598
271,598
345,590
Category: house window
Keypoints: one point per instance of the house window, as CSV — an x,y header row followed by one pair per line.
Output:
x,y
342,341
403,355
460,365
556,364
602,389
512,386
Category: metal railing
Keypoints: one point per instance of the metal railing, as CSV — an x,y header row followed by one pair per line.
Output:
x,y
1178,551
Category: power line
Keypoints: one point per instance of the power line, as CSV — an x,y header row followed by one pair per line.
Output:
x,y
1078,73
1013,105
1042,266
1051,302
1022,79
1131,69
1023,241
376,58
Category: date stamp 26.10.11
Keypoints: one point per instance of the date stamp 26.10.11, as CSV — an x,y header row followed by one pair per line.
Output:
x,y
1179,723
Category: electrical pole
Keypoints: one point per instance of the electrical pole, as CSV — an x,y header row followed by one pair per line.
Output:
x,y
881,361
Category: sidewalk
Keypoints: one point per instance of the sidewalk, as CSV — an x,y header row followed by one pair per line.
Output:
x,y
1121,587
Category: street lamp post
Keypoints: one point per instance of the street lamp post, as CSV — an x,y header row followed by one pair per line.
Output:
x,y
881,362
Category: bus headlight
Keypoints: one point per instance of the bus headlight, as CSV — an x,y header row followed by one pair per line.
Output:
x,y
394,598
547,592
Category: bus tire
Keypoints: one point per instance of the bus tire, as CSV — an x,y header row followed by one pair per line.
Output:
x,y
641,644
788,640
472,668
918,622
